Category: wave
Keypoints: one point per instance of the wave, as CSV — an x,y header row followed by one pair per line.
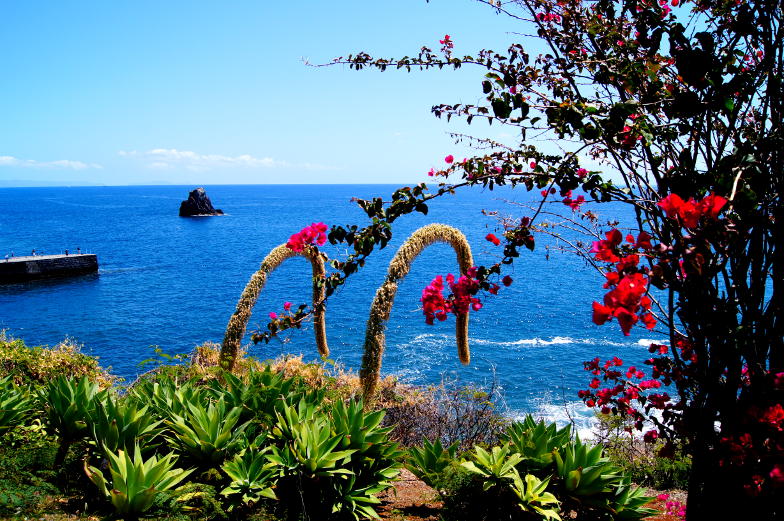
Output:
x,y
582,419
434,338
645,342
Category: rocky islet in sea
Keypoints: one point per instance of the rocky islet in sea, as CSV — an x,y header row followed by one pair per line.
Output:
x,y
198,205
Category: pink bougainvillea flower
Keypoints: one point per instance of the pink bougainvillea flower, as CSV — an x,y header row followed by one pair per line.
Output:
x,y
287,306
650,436
431,172
492,238
777,474
532,164
309,235
273,315
433,303
582,172
449,159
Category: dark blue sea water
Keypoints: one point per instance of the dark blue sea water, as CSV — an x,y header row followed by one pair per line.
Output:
x,y
173,282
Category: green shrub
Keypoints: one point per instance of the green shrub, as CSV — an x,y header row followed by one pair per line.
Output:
x,y
538,472
208,435
120,424
15,405
38,365
68,404
641,461
27,487
135,482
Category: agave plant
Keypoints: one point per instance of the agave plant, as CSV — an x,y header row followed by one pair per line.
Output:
x,y
496,466
357,501
362,432
585,471
166,396
209,434
252,477
534,497
120,424
537,442
629,502
430,462
15,405
308,447
375,462
68,404
135,481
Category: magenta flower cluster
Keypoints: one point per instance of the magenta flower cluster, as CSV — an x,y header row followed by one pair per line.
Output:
x,y
316,234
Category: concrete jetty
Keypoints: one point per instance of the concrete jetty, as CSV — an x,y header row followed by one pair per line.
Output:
x,y
20,269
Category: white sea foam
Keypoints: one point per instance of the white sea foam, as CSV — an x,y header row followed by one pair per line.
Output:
x,y
434,338
583,420
645,342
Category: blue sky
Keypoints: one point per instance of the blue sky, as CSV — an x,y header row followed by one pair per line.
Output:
x,y
197,92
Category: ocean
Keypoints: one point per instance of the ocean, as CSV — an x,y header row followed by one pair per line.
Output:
x,y
172,283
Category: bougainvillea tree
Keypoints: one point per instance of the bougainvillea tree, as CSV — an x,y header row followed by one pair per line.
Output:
x,y
673,107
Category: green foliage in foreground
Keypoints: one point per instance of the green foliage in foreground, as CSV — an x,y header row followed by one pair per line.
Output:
x,y
265,446
255,440
135,482
537,470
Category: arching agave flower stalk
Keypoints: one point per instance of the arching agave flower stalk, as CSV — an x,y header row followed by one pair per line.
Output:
x,y
238,323
375,340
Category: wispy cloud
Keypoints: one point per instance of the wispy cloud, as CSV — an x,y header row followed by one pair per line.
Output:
x,y
167,158
62,164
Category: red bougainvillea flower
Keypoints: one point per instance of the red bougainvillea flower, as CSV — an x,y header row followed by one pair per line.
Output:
x,y
649,321
774,416
712,204
492,238
574,204
601,314
623,303
507,281
603,249
449,159
313,234
690,212
582,172
650,436
643,241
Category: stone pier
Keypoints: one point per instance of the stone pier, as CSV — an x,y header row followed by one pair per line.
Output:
x,y
20,269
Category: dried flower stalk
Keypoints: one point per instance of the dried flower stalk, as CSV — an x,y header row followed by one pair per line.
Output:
x,y
375,340
238,323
